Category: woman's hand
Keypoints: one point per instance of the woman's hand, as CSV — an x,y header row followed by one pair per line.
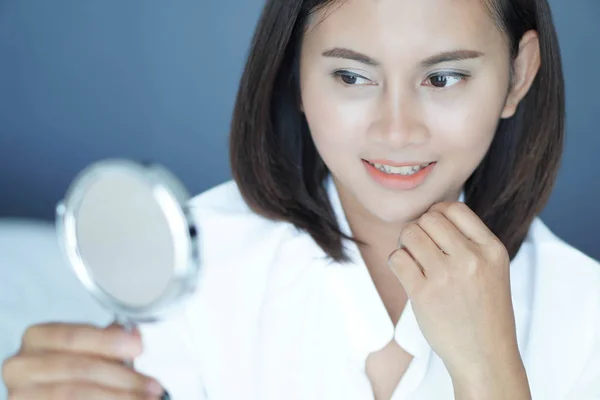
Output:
x,y
64,361
456,273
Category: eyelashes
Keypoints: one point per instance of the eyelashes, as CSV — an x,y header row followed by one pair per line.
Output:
x,y
351,79
438,80
441,80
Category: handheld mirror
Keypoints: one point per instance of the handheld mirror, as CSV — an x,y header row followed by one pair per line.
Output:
x,y
126,231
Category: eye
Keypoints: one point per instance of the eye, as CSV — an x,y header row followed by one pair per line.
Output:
x,y
352,79
445,80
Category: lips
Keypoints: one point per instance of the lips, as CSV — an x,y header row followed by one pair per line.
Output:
x,y
399,176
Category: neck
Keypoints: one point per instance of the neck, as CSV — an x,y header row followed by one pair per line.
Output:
x,y
380,237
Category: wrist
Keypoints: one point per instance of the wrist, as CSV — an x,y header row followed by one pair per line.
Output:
x,y
499,380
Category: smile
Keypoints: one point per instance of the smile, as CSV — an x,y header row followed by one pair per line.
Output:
x,y
405,170
394,176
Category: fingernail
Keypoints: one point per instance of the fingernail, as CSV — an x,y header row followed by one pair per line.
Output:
x,y
155,388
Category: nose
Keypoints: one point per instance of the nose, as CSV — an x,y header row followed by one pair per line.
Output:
x,y
399,121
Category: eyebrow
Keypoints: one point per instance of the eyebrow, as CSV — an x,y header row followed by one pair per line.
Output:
x,y
456,55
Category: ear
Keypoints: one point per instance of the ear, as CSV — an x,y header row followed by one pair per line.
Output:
x,y
525,68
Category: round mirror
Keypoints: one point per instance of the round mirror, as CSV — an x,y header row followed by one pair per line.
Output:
x,y
125,229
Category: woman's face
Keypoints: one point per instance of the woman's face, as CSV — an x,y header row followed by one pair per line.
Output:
x,y
419,84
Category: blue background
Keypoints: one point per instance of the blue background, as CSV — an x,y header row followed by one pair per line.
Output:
x,y
84,80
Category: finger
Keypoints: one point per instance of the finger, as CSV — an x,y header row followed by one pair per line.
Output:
x,y
406,269
132,329
422,248
466,221
110,343
48,368
76,391
444,233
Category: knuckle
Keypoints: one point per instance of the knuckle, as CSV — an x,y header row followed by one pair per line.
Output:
x,y
20,369
431,218
497,253
10,369
7,365
31,335
409,231
47,334
69,337
456,208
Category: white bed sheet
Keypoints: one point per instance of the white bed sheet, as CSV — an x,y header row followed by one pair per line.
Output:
x,y
37,285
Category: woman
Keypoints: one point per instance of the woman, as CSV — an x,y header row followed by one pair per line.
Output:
x,y
380,239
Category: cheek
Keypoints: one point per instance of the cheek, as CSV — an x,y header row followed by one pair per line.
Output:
x,y
466,126
335,122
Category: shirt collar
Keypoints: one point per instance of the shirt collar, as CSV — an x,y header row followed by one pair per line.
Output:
x,y
368,318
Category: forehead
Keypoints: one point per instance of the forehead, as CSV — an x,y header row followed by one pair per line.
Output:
x,y
410,25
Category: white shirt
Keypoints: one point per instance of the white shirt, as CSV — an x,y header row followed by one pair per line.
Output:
x,y
274,319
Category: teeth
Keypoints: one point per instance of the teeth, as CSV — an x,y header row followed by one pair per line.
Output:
x,y
407,170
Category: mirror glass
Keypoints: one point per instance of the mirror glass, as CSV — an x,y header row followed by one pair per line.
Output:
x,y
125,240
125,230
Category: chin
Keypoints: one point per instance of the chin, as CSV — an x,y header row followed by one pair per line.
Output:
x,y
390,207
398,213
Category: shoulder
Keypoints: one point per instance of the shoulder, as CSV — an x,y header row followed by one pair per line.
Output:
x,y
565,313
224,196
226,203
558,256
228,227
557,309
563,274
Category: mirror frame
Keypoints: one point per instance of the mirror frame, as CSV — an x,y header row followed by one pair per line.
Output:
x,y
172,198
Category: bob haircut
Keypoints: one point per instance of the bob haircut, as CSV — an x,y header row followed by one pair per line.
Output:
x,y
280,174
